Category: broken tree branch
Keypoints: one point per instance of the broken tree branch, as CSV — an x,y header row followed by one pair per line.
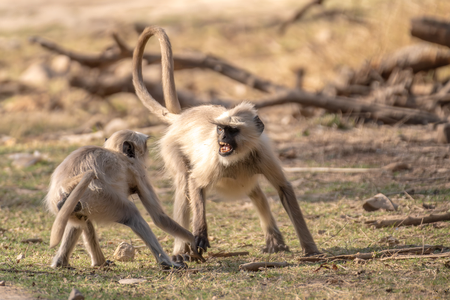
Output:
x,y
104,86
419,57
439,255
376,254
102,60
409,221
228,254
431,30
384,113
187,61
299,14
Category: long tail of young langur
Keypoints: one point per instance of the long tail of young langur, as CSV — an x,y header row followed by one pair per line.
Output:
x,y
63,215
169,114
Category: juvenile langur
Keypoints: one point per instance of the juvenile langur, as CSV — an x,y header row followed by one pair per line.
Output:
x,y
209,148
93,184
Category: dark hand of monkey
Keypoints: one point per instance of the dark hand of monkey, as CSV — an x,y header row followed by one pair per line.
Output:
x,y
176,265
201,242
195,255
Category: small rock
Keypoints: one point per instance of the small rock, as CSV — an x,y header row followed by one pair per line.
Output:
x,y
33,241
20,257
83,138
440,225
2,283
392,241
24,160
60,64
76,295
443,133
115,125
37,75
397,166
131,281
124,252
428,206
379,201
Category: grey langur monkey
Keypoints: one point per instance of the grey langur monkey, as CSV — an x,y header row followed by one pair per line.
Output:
x,y
93,184
211,149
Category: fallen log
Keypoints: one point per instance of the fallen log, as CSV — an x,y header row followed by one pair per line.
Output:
x,y
419,57
431,30
384,113
257,266
409,221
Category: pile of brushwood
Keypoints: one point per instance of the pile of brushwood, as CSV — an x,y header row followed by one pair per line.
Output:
x,y
400,88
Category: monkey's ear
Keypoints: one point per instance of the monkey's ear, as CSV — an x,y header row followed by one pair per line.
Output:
x,y
128,149
259,124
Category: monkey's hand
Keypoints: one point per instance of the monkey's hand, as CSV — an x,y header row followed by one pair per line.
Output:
x,y
201,242
195,255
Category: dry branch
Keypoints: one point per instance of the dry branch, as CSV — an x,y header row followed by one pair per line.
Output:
x,y
104,86
440,255
384,113
102,60
419,57
188,61
330,170
431,30
376,254
409,221
228,254
257,266
299,14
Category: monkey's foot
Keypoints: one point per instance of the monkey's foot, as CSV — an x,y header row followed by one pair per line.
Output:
x,y
59,262
274,248
274,244
312,251
174,265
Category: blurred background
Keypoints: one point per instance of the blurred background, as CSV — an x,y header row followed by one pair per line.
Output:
x,y
316,46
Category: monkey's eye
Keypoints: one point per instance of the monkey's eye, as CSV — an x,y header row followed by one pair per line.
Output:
x,y
233,130
219,130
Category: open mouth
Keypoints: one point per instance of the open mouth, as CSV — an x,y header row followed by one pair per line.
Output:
x,y
225,149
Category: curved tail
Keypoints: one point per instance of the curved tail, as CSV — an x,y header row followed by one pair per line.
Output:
x,y
169,114
59,225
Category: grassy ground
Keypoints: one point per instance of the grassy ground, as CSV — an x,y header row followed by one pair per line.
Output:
x,y
331,202
332,205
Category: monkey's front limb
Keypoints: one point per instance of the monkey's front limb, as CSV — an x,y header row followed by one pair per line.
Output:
x,y
135,221
200,228
274,239
163,221
274,174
